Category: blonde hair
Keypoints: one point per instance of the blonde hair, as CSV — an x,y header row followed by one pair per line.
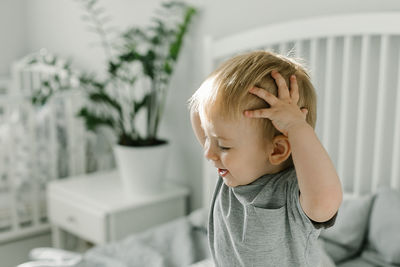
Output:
x,y
226,88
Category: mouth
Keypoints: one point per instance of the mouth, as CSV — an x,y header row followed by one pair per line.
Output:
x,y
222,172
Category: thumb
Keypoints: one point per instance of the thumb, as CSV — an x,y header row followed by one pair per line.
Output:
x,y
305,111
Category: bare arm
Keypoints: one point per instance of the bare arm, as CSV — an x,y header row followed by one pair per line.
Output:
x,y
320,187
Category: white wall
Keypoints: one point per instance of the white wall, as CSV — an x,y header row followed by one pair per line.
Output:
x,y
12,33
57,26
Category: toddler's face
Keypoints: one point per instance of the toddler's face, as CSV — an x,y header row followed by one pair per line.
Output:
x,y
237,149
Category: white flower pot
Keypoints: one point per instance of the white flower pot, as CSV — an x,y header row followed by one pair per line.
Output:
x,y
141,169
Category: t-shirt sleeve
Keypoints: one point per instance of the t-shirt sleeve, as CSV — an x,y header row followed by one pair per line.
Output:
x,y
300,217
327,224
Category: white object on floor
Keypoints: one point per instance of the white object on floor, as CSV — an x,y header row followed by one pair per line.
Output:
x,y
52,257
203,263
38,264
48,264
54,254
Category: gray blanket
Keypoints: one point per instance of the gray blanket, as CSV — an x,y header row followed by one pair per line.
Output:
x,y
178,243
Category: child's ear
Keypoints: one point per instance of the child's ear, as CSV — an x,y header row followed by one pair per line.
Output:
x,y
280,150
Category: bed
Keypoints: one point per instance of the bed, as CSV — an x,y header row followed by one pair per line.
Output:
x,y
354,61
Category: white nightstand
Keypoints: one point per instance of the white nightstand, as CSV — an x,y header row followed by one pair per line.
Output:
x,y
95,208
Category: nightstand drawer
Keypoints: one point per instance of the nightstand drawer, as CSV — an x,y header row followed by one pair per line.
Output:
x,y
78,220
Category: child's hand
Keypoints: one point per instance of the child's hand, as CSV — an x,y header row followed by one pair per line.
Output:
x,y
284,112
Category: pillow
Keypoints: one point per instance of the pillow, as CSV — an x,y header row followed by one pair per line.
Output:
x,y
384,230
345,238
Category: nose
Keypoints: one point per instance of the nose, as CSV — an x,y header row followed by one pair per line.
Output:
x,y
209,153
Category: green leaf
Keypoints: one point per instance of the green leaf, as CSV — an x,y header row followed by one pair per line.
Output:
x,y
168,68
92,121
103,97
91,3
88,80
113,67
182,28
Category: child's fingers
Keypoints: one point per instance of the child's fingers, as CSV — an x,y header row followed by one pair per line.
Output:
x,y
264,94
294,89
257,113
283,90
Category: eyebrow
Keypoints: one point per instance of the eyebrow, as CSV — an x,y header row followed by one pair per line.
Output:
x,y
223,138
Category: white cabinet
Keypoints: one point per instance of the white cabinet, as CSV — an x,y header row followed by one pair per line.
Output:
x,y
95,208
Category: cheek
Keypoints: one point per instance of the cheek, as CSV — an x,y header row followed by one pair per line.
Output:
x,y
228,159
255,158
225,158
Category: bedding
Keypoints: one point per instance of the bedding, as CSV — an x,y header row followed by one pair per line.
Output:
x,y
177,243
366,233
182,242
345,239
384,233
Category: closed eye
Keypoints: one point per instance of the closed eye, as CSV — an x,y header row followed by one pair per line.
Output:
x,y
224,148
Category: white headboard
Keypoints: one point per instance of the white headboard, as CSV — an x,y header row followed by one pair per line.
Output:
x,y
354,62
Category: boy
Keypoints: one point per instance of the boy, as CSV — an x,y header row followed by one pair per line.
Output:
x,y
277,185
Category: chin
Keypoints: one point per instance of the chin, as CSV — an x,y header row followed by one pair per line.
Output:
x,y
229,182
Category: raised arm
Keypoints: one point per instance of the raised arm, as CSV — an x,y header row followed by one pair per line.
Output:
x,y
319,184
320,187
196,125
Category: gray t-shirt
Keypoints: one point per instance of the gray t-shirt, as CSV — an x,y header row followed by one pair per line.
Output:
x,y
262,224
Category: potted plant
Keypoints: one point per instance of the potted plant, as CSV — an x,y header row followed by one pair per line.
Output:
x,y
138,55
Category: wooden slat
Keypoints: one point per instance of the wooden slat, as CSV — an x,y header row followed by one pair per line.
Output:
x,y
53,141
11,168
299,49
326,131
344,108
34,172
313,57
80,160
361,118
395,169
313,69
380,117
70,131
